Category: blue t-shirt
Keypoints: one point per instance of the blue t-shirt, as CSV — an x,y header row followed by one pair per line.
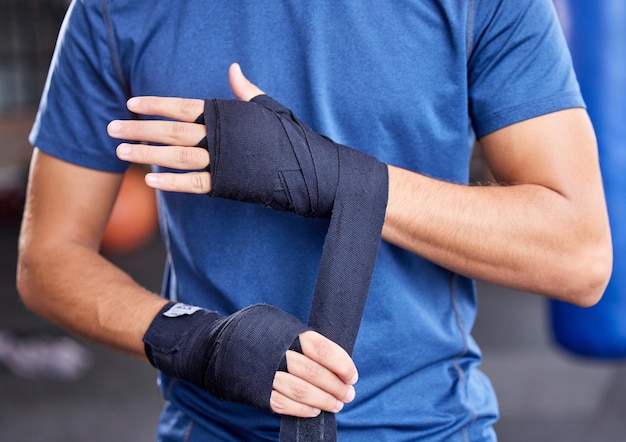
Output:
x,y
411,82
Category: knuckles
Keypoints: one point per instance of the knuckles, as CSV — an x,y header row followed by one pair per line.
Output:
x,y
278,403
200,182
178,131
321,349
191,108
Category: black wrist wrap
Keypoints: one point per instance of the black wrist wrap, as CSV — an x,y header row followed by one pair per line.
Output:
x,y
234,357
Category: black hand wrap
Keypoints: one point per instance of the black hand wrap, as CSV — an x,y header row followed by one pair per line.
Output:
x,y
235,357
261,153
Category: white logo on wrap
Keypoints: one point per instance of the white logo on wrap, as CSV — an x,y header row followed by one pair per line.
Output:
x,y
181,309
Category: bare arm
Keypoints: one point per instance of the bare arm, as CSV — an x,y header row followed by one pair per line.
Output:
x,y
61,275
545,230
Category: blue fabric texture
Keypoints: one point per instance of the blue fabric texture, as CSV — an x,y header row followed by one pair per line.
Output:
x,y
412,83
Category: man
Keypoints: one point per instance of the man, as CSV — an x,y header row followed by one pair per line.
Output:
x,y
409,83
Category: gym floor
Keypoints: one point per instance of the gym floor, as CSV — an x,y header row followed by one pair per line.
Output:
x,y
545,395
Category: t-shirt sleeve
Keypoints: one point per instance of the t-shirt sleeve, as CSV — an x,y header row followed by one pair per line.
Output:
x,y
84,91
519,65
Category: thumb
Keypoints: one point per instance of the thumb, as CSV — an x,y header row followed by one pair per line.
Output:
x,y
240,85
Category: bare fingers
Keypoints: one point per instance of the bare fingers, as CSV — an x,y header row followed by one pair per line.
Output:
x,y
173,133
242,88
174,157
308,388
178,135
181,109
321,378
330,355
190,182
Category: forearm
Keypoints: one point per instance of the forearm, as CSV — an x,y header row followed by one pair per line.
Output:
x,y
527,237
61,275
74,287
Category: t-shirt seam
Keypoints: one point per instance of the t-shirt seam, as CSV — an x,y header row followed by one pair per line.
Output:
x,y
461,374
112,44
469,31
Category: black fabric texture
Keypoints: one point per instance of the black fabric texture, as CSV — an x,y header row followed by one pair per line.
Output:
x,y
233,357
203,142
261,153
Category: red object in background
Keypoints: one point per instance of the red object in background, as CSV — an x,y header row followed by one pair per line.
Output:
x,y
134,217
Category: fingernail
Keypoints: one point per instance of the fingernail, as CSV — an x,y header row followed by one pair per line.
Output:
x,y
339,406
354,379
350,395
133,102
123,150
152,179
315,412
114,127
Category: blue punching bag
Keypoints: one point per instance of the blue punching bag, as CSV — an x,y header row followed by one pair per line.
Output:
x,y
597,38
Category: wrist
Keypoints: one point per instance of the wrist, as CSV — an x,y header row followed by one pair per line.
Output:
x,y
235,358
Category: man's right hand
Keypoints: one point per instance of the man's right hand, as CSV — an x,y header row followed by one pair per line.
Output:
x,y
241,358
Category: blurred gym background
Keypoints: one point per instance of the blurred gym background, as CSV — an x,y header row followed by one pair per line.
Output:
x,y
56,389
